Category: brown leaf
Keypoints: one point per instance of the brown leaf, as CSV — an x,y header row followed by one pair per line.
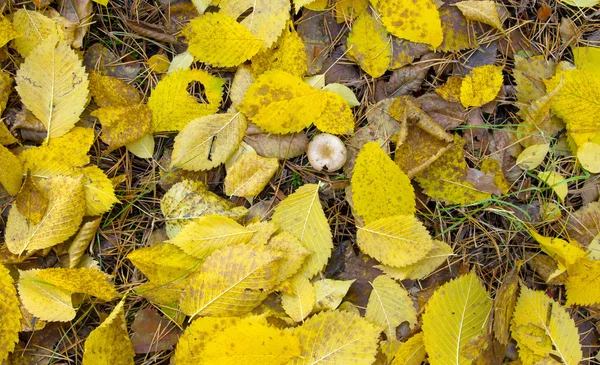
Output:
x,y
311,28
504,305
448,115
80,13
153,333
544,12
404,52
280,146
405,80
31,201
151,31
102,60
584,224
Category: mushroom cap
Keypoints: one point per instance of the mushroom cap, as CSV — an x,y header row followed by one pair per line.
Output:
x,y
326,151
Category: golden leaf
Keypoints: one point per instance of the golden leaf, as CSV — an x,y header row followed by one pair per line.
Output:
x,y
7,32
504,305
533,156
279,102
232,281
588,155
415,20
243,78
542,327
293,252
481,85
31,201
172,105
422,268
287,54
66,208
6,138
10,314
61,155
231,341
109,343
379,188
84,280
205,235
209,141
586,58
299,300
330,293
188,200
219,40
263,232
43,300
249,175
123,124
411,352
583,286
454,316
389,305
369,44
301,215
336,337
397,241
565,253
97,189
168,269
481,11
265,19
337,117
347,10
11,171
53,85
159,63
111,91
82,240
34,28
556,182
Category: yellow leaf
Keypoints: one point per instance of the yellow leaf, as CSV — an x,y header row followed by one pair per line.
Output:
x,y
336,117
287,54
422,25
97,189
123,124
143,147
588,154
10,314
586,58
219,40
43,300
7,33
481,85
422,268
379,188
581,3
205,235
85,280
109,343
542,327
389,305
182,61
263,232
446,178
232,341
81,241
504,305
6,138
533,156
53,85
454,317
347,10
279,102
249,175
159,63
31,202
168,269
330,293
232,281
316,5
450,91
397,241
293,252
111,91
411,352
65,212
485,12
207,142
61,155
555,181
336,337
299,300
172,105
33,29
565,253
583,286
11,171
528,74
369,44
265,19
188,200
301,215
344,91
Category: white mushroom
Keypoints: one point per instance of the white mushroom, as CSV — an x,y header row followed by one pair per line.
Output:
x,y
326,151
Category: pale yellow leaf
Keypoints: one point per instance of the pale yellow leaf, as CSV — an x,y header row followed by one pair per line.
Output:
x,y
397,241
182,61
210,233
249,175
301,215
53,85
34,28
330,293
97,189
143,147
455,316
411,352
109,343
533,156
209,141
481,11
43,300
555,181
389,305
299,300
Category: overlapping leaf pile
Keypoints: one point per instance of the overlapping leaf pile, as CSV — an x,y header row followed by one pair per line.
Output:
x,y
253,279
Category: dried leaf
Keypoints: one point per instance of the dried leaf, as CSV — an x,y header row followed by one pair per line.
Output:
x,y
294,254
280,146
110,91
31,201
153,333
504,305
123,124
82,240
